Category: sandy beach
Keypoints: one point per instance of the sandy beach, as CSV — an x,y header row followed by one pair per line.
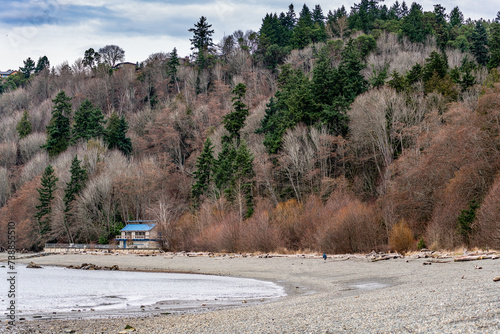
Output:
x,y
343,294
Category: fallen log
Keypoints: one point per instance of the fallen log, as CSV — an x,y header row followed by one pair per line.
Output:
x,y
385,257
439,261
473,258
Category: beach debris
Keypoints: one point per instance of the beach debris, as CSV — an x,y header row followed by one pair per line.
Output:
x,y
496,279
33,265
427,263
69,331
374,257
127,329
478,267
436,261
90,266
484,256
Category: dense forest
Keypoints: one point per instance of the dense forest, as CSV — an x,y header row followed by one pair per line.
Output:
x,y
374,128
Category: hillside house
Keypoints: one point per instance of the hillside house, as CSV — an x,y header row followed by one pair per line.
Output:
x,y
5,74
127,66
139,234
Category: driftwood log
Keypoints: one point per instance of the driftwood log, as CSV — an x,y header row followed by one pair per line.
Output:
x,y
476,257
33,265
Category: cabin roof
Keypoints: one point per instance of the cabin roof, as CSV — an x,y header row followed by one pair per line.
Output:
x,y
138,227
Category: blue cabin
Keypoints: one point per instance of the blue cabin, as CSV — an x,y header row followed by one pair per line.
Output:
x,y
139,234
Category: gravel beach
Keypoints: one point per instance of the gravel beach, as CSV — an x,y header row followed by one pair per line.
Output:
x,y
343,294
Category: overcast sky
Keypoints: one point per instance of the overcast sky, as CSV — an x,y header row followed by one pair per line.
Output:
x,y
63,29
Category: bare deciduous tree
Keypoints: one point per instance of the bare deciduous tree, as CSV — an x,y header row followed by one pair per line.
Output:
x,y
111,54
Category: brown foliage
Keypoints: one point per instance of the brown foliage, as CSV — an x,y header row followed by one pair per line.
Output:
x,y
21,210
353,228
487,227
259,234
401,238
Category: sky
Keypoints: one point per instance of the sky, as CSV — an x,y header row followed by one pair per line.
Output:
x,y
63,29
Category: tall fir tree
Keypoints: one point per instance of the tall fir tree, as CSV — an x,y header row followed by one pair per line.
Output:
x,y
303,31
441,29
172,66
414,25
204,170
24,127
115,135
88,122
235,120
58,130
42,64
202,41
223,168
240,189
46,195
479,46
456,17
28,68
73,188
494,45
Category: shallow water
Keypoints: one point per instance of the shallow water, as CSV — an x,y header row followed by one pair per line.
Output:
x,y
55,289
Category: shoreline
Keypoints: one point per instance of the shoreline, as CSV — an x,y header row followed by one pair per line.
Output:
x,y
339,295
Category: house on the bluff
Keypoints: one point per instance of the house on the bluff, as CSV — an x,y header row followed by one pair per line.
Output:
x,y
5,74
139,234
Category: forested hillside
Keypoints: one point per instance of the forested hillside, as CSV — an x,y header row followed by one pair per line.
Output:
x,y
372,128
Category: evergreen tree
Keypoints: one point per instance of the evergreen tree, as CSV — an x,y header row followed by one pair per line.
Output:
x,y
73,188
404,9
319,28
235,121
465,221
435,63
204,170
271,126
456,17
91,58
351,81
240,188
28,68
223,167
414,25
303,31
58,130
24,127
115,135
479,46
415,74
363,15
272,31
397,82
441,26
202,41
468,79
494,45
42,64
172,66
46,195
88,122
